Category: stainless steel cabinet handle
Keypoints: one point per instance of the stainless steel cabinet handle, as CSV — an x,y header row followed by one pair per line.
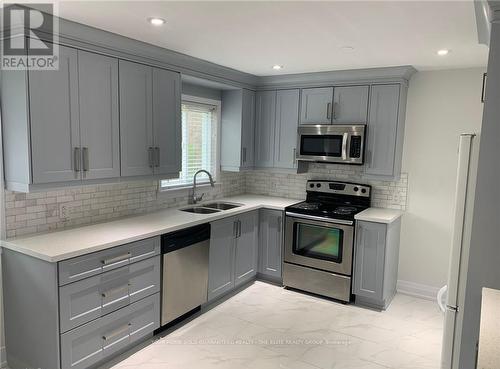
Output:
x,y
76,159
279,223
150,157
235,229
85,154
344,146
294,154
157,156
334,110
114,291
244,154
116,259
117,332
328,111
239,228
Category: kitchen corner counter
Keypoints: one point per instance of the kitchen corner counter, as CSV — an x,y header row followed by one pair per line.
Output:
x,y
66,244
379,215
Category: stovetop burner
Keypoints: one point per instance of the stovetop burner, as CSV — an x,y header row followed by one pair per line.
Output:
x,y
333,200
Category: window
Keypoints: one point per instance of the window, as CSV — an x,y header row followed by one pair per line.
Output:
x,y
199,142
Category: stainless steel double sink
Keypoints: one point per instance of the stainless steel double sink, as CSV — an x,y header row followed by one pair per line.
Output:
x,y
212,207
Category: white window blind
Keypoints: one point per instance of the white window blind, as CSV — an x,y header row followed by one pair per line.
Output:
x,y
199,143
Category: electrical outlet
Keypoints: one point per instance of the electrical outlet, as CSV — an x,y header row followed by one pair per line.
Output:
x,y
63,211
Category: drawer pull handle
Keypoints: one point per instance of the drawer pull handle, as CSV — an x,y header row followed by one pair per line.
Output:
x,y
115,290
117,332
146,254
116,259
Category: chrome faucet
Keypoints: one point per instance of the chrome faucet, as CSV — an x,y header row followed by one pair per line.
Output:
x,y
193,199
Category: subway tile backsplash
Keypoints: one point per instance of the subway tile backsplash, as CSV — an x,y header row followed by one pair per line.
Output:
x,y
75,206
385,194
54,210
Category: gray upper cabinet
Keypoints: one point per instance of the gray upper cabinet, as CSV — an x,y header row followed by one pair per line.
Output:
x,y
99,115
238,126
53,107
316,105
384,141
350,104
167,122
136,119
150,131
221,255
246,251
270,243
376,263
287,120
265,116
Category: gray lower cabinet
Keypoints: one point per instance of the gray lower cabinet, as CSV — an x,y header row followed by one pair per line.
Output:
x,y
233,253
316,105
385,131
112,302
270,244
150,121
93,342
376,256
246,248
237,129
265,117
93,297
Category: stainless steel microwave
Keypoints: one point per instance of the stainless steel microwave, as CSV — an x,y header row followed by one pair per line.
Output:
x,y
332,143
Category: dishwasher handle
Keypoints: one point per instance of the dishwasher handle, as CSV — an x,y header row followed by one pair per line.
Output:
x,y
186,237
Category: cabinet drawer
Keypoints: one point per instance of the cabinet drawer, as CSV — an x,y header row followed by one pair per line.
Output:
x,y
85,266
98,340
91,298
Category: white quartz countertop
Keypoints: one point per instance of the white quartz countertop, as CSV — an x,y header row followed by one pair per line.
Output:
x,y
74,242
489,336
379,215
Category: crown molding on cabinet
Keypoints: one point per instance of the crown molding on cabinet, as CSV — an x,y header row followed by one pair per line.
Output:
x,y
399,74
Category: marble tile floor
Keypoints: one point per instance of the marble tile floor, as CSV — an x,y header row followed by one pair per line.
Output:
x,y
266,326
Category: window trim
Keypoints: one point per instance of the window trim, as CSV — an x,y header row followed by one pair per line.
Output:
x,y
183,188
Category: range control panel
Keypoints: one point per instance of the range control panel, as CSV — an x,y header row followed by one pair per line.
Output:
x,y
343,188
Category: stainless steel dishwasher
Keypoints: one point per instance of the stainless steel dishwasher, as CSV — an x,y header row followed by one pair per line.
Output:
x,y
185,271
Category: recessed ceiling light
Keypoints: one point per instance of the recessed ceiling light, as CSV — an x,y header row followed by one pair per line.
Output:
x,y
277,67
155,21
443,52
347,48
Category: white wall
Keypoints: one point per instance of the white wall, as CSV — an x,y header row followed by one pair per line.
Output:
x,y
441,105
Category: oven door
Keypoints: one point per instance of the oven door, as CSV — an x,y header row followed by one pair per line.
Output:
x,y
331,143
318,243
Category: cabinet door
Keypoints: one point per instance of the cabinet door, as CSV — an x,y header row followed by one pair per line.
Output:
x,y
350,104
316,105
382,130
247,129
265,117
246,253
270,242
55,136
287,121
136,120
99,121
369,259
167,121
221,256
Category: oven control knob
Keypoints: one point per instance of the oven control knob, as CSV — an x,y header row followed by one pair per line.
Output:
x,y
318,185
363,190
311,185
356,189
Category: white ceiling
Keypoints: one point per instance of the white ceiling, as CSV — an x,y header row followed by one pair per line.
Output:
x,y
302,36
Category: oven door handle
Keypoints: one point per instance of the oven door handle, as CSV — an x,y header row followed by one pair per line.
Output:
x,y
320,219
344,145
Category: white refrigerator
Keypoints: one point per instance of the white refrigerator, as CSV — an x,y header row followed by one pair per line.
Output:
x,y
452,297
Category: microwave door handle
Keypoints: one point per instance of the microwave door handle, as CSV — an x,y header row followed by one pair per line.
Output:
x,y
344,146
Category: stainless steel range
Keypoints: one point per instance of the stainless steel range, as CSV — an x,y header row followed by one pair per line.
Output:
x,y
319,238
